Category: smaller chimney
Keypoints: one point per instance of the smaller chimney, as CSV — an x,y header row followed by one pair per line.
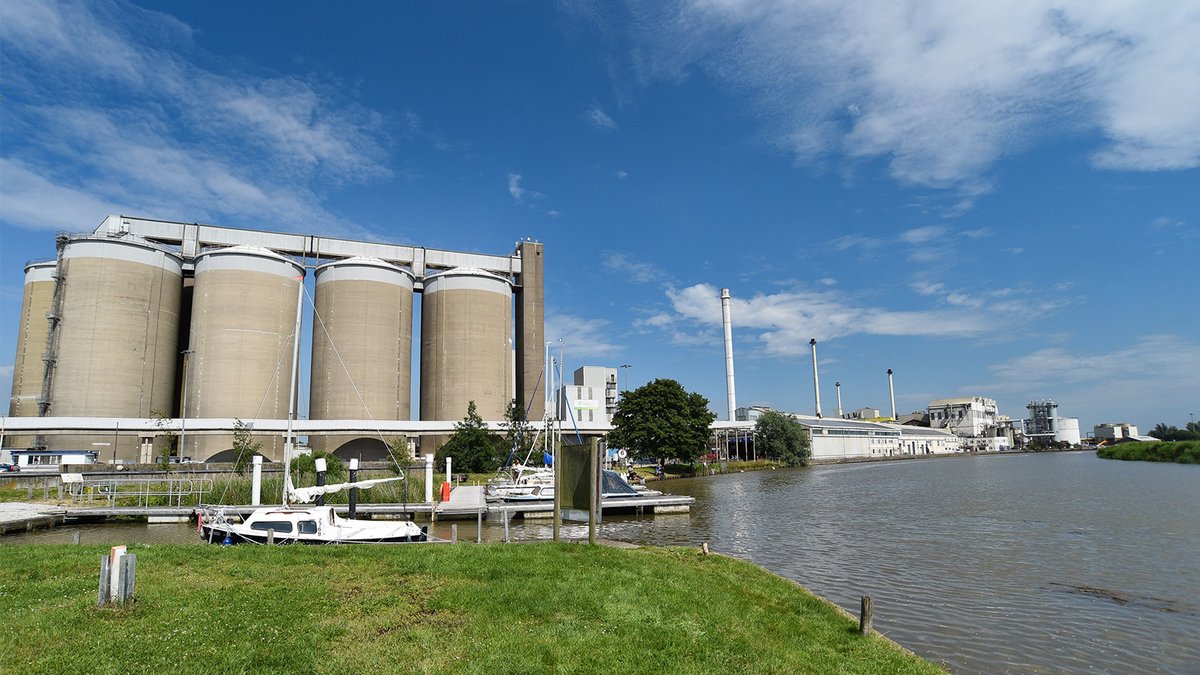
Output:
x,y
892,394
838,386
730,392
816,380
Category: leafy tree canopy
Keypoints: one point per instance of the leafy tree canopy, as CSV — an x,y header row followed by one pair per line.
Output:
x,y
1165,432
782,437
518,436
473,448
662,420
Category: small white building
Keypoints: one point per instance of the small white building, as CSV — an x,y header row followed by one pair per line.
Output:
x,y
1114,431
966,416
592,398
862,414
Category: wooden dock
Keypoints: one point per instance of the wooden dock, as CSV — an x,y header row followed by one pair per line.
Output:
x,y
22,517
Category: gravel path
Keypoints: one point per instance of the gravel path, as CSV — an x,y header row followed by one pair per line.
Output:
x,y
11,511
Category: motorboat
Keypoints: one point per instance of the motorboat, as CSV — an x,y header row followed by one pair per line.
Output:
x,y
306,525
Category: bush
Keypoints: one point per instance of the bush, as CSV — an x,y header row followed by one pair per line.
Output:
x,y
1180,452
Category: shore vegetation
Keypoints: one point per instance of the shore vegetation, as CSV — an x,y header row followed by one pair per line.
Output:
x,y
462,608
1180,452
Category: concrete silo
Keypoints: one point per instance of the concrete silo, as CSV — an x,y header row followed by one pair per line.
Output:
x,y
117,339
466,345
243,321
33,326
362,349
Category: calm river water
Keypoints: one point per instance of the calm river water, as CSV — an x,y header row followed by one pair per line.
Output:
x,y
987,564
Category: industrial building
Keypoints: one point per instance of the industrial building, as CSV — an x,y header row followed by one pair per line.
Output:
x,y
835,439
198,324
974,419
1044,424
592,397
1111,431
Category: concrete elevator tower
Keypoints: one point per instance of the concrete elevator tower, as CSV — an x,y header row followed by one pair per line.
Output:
x,y
530,329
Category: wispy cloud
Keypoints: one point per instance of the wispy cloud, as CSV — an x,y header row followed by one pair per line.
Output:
x,y
943,89
598,119
108,109
622,174
922,235
514,187
634,270
582,338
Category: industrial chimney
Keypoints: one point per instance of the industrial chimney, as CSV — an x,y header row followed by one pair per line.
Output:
x,y
892,394
729,389
838,386
816,379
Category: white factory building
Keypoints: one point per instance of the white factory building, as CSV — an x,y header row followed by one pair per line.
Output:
x,y
1044,424
592,397
836,439
975,419
1114,431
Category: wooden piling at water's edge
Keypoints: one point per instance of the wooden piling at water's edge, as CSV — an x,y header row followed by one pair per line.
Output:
x,y
865,615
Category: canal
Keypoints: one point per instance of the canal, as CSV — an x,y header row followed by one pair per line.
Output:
x,y
1004,563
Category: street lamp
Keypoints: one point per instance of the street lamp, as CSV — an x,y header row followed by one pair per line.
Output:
x,y
625,367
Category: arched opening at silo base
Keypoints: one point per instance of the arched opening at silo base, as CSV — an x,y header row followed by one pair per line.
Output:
x,y
363,449
229,455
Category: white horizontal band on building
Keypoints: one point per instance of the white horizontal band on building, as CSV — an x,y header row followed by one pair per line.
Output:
x,y
128,250
364,269
248,259
467,279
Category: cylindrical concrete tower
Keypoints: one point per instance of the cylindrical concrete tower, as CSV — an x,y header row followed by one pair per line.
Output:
x,y
118,337
466,345
243,322
892,394
816,378
362,346
33,326
730,392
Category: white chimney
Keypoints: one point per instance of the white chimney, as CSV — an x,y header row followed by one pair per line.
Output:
x,y
816,379
892,394
729,388
838,386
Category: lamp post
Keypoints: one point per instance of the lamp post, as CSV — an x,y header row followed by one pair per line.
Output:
x,y
626,367
183,406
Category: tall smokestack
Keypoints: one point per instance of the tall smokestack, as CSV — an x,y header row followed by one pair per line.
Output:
x,y
892,393
816,379
729,389
838,386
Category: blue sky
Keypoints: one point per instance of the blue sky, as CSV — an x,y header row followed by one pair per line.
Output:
x,y
990,199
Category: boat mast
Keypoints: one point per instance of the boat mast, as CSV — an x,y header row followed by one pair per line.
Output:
x,y
287,442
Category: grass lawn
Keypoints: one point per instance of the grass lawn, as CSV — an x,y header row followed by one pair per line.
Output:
x,y
491,608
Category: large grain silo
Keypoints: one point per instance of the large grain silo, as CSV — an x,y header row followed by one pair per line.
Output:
x,y
117,338
362,349
466,345
33,325
240,365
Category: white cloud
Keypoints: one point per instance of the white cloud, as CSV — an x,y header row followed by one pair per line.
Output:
x,y
583,339
599,119
941,89
622,174
786,320
514,187
633,270
115,93
922,235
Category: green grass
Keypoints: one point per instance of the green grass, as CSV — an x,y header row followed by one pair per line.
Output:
x,y
1182,452
489,609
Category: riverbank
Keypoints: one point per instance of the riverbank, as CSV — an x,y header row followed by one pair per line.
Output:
x,y
1179,452
536,607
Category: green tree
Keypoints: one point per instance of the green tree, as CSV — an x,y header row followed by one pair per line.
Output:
x,y
782,437
244,446
170,438
1163,432
662,420
472,447
304,465
518,436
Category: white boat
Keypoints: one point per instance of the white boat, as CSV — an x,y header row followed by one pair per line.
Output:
x,y
614,487
519,480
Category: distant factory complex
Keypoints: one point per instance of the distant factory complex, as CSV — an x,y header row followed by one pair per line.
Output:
x,y
144,329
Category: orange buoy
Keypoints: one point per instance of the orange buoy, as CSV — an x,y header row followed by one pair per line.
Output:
x,y
446,491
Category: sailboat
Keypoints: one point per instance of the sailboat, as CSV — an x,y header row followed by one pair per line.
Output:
x,y
294,524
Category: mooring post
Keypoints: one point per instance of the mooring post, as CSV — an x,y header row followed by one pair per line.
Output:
x,y
126,578
75,537
270,537
704,548
105,578
429,479
29,497
506,524
454,533
864,619
479,527
320,466
353,491
256,485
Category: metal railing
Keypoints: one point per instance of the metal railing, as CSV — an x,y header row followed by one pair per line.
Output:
x,y
139,491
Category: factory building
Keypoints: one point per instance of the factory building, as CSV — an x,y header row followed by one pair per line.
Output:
x,y
148,318
592,397
1044,424
836,439
1114,431
974,419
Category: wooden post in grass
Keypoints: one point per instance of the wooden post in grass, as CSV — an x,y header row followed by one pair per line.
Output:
x,y
271,537
864,618
75,537
454,533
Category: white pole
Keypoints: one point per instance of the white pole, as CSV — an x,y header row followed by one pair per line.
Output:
x,y
448,474
256,490
816,381
729,381
429,478
838,386
892,394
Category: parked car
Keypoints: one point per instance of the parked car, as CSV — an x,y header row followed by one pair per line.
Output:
x,y
9,467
